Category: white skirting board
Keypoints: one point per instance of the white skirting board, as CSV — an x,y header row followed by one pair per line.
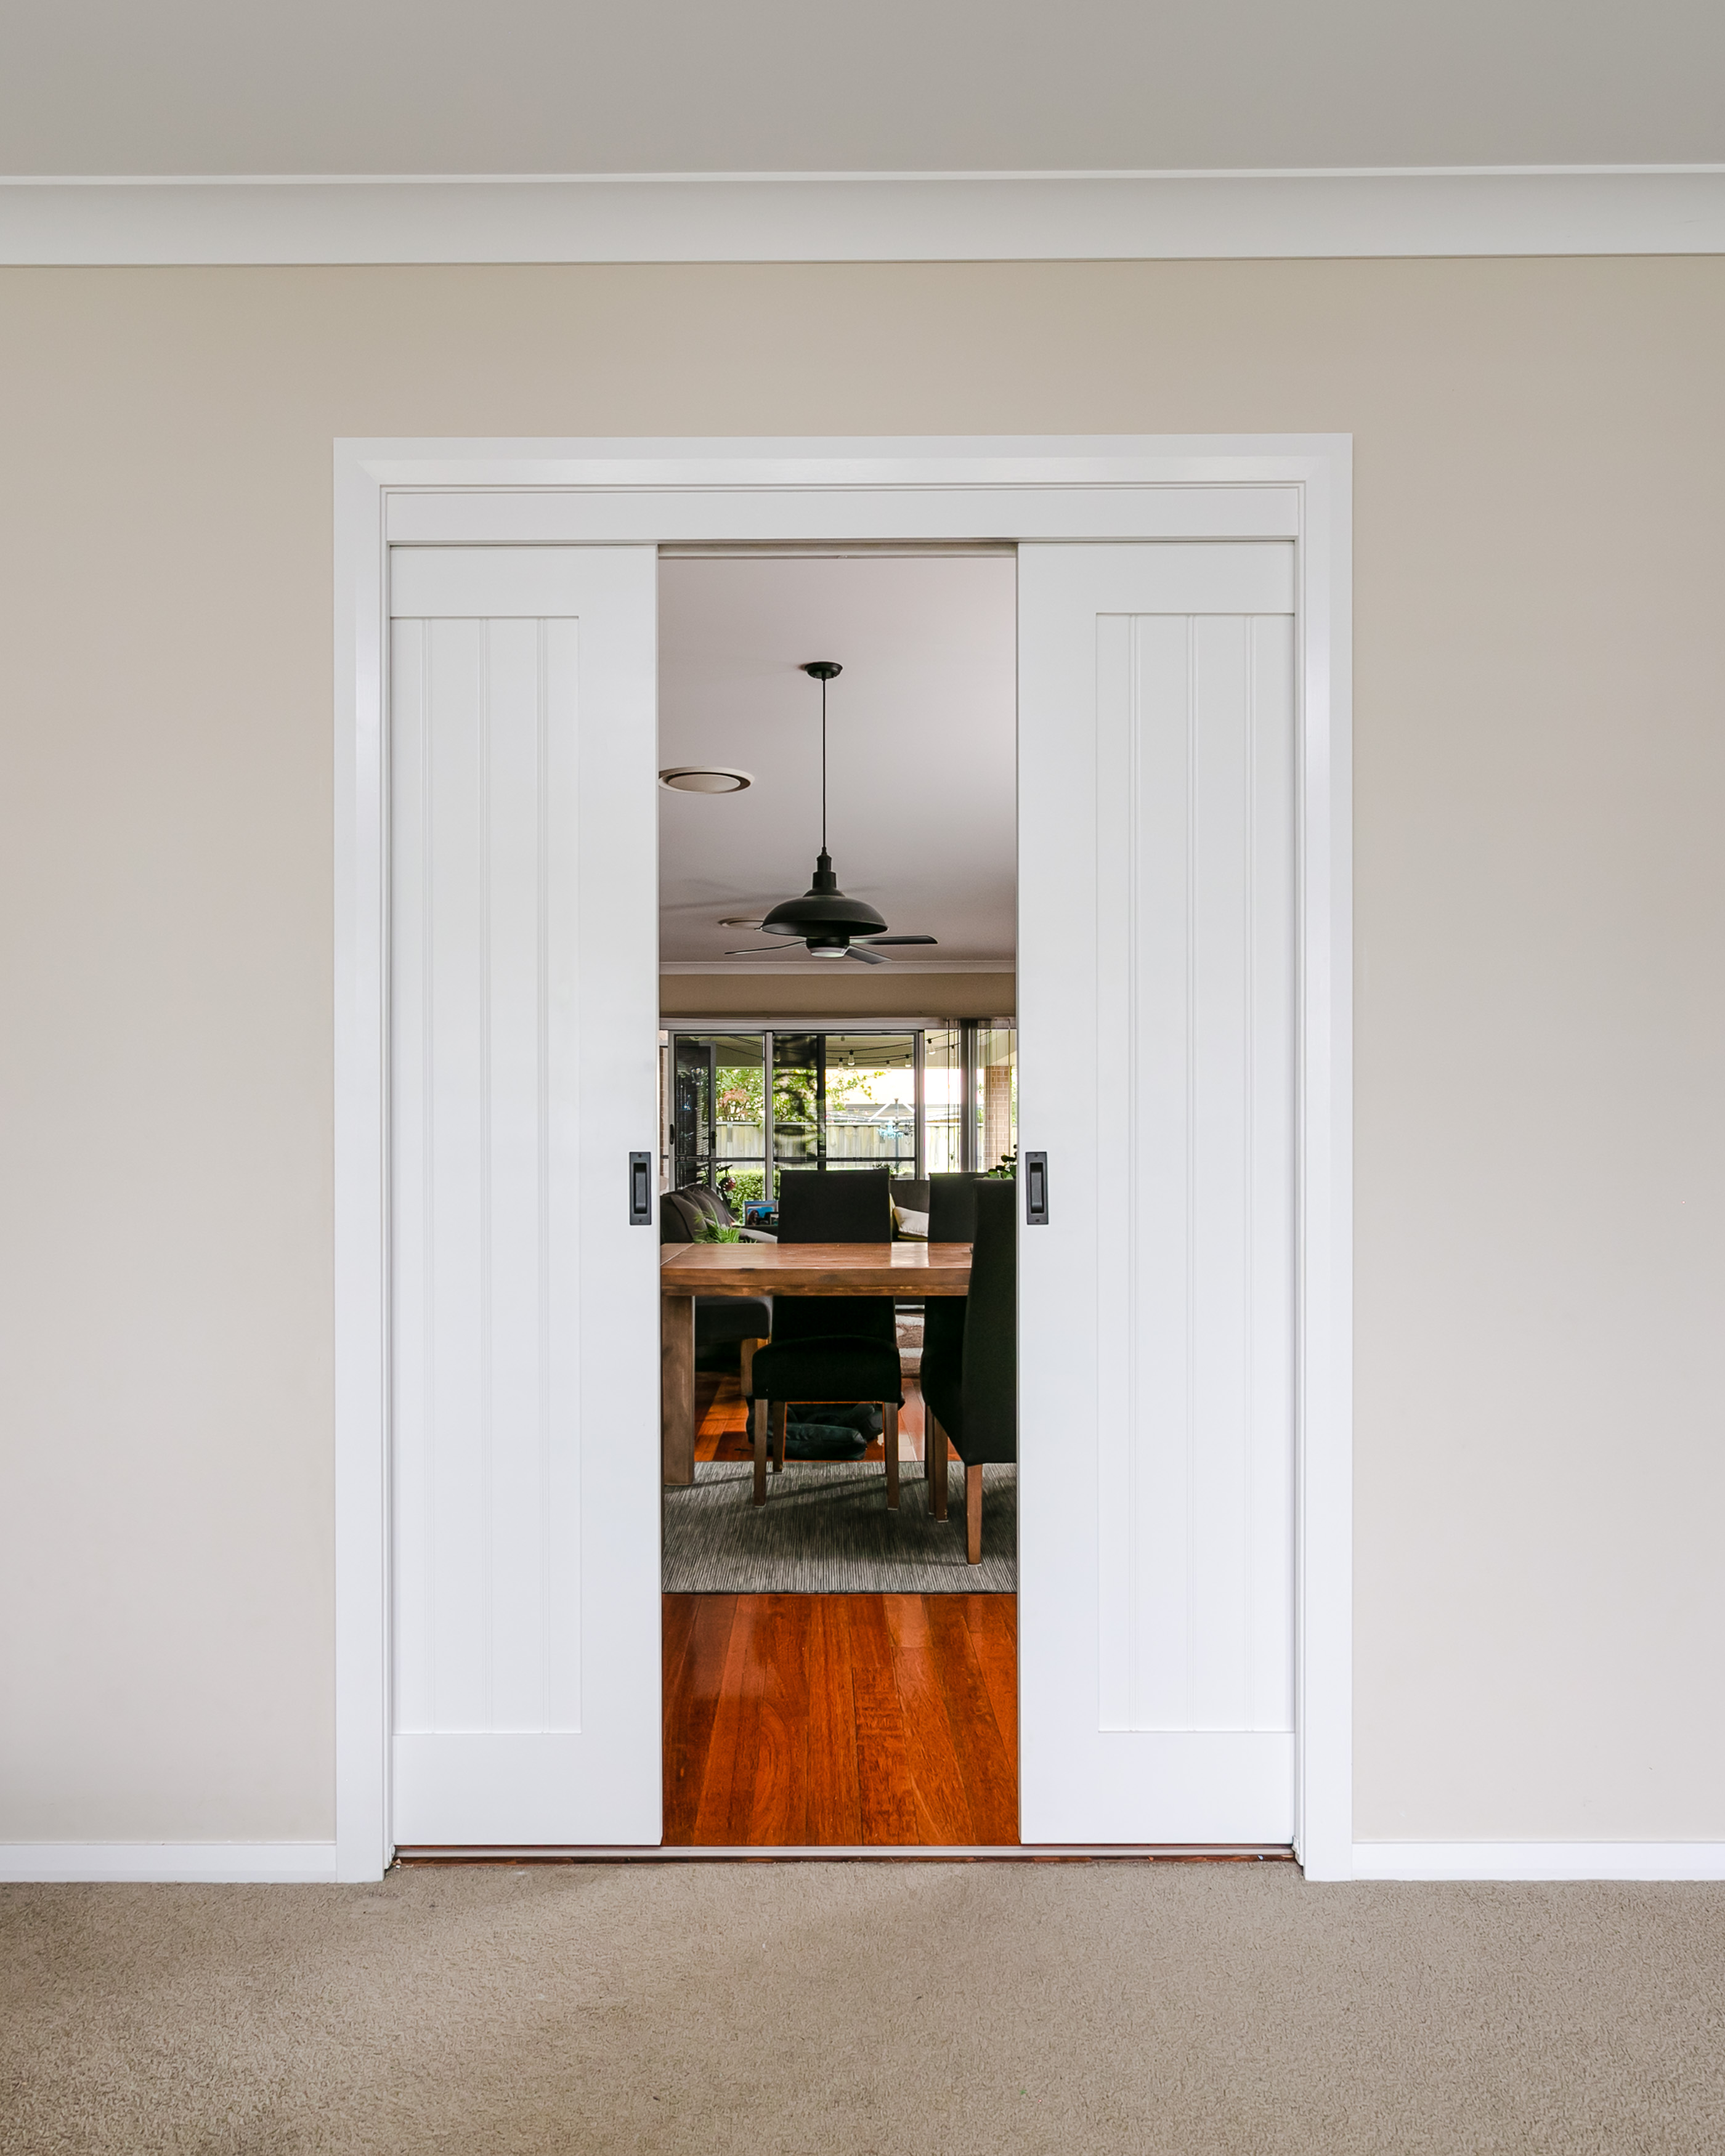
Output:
x,y
1540,1860
830,1852
286,1862
184,1863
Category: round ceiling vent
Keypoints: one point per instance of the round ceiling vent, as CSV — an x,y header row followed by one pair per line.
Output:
x,y
705,778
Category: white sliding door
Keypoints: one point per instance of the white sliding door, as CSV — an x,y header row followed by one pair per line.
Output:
x,y
1156,1016
525,1354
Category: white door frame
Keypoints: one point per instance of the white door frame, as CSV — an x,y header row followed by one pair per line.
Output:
x,y
928,489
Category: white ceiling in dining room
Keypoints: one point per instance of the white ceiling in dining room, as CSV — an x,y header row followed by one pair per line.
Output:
x,y
920,782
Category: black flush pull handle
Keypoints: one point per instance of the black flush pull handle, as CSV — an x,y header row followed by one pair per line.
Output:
x,y
641,1190
1036,1189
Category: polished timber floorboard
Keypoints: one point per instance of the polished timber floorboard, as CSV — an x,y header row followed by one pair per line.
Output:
x,y
840,1720
799,1720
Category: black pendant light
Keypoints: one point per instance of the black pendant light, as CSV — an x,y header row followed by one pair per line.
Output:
x,y
824,918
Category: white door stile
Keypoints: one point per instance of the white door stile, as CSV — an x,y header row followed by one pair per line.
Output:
x,y
523,1028
1157,1044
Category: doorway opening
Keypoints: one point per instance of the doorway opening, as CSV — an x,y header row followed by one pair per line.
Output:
x,y
837,1672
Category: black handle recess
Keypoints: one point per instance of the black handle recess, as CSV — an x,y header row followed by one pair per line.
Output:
x,y
641,1190
1035,1189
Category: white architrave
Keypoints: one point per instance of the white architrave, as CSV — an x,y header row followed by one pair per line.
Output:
x,y
676,492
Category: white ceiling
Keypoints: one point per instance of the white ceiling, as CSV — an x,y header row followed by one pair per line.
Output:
x,y
358,86
921,784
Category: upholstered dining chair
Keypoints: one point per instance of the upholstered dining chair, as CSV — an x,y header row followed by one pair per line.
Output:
x,y
972,1395
828,1348
951,1218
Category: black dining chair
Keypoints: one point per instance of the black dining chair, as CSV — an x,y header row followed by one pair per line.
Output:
x,y
951,1218
828,1348
970,1385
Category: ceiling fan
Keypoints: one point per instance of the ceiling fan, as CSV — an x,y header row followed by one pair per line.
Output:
x,y
827,924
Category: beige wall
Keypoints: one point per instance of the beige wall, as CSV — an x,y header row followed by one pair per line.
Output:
x,y
1541,747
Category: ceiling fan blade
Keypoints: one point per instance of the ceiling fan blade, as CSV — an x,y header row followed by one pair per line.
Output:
x,y
904,939
868,957
764,951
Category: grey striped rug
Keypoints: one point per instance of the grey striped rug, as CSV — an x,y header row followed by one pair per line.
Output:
x,y
825,1529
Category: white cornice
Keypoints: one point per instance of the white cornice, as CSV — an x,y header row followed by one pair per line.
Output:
x,y
850,216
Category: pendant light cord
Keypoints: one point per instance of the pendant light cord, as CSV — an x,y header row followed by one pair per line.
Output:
x,y
823,765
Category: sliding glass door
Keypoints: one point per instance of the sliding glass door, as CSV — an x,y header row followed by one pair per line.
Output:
x,y
971,1096
844,1099
740,1115
993,1097
693,1107
916,1100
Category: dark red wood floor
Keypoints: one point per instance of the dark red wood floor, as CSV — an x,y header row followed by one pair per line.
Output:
x,y
793,1721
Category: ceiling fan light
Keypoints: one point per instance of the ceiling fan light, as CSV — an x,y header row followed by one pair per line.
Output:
x,y
781,921
824,910
704,778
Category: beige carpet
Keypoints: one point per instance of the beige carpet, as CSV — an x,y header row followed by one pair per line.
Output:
x,y
891,2009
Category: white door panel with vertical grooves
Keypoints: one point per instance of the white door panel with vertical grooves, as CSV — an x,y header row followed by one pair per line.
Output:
x,y
524,1367
1155,1014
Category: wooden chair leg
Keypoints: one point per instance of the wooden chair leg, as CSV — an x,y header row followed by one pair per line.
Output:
x,y
889,1435
781,1415
934,1462
760,1452
974,1511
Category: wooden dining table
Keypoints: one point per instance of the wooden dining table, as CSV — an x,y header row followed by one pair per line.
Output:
x,y
908,1271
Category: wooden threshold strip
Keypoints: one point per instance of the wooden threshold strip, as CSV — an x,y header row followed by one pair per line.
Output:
x,y
756,1853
